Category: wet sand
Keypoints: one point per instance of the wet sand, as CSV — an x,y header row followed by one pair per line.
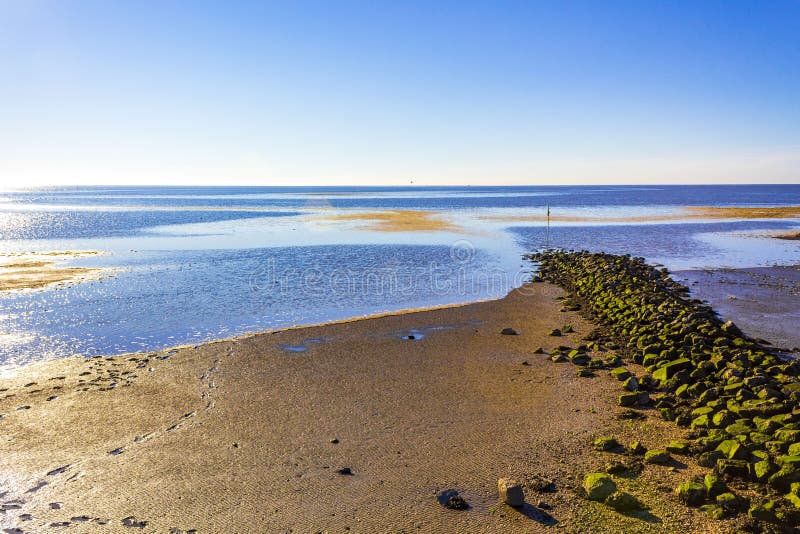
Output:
x,y
763,301
395,220
40,269
238,435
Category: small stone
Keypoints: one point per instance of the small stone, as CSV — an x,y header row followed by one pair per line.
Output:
x,y
510,492
450,498
509,332
344,471
543,505
334,440
555,332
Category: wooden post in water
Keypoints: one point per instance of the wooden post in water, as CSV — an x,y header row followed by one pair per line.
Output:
x,y
547,238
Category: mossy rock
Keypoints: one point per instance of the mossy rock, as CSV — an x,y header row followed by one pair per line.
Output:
x,y
732,468
555,332
691,493
760,471
714,511
631,384
567,329
701,421
598,486
794,494
628,399
733,450
787,435
538,350
670,369
728,501
763,512
678,447
794,449
657,456
709,459
714,485
637,449
737,429
605,444
623,502
723,418
620,373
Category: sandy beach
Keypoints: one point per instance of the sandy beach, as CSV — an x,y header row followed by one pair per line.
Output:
x,y
247,434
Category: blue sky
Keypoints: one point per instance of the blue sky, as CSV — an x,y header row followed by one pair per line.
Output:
x,y
291,93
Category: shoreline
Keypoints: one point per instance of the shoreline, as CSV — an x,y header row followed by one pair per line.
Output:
x,y
239,433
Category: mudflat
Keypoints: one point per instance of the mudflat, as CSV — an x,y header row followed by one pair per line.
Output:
x,y
257,434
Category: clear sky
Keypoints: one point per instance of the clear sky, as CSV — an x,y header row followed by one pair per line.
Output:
x,y
339,92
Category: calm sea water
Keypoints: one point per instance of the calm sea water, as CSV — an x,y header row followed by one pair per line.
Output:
x,y
193,264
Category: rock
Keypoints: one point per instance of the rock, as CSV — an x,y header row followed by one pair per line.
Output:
x,y
450,498
760,471
763,512
670,369
334,440
567,329
794,494
538,350
714,485
709,459
620,373
345,471
509,332
605,444
543,505
657,456
732,468
510,492
734,450
628,399
631,384
714,511
728,501
555,332
678,447
598,486
637,449
585,373
623,502
691,493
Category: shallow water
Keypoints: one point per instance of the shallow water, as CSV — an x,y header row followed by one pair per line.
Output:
x,y
193,264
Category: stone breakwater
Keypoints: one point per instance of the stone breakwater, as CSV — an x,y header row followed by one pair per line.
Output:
x,y
739,398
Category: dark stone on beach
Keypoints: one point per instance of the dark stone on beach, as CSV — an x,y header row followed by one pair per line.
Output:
x,y
554,332
131,521
344,471
450,498
334,440
509,332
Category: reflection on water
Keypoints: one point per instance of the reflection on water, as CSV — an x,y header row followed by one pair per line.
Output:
x,y
184,275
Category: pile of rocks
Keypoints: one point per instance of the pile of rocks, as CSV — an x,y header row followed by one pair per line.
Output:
x,y
739,397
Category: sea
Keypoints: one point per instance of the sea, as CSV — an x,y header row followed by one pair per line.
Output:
x,y
184,265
